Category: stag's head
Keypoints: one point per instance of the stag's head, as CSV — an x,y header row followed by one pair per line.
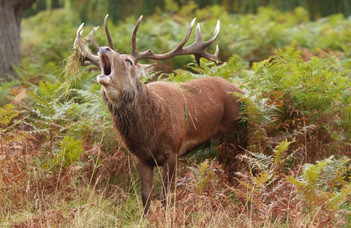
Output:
x,y
120,71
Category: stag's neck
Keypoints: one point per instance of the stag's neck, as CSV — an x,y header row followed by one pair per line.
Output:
x,y
136,117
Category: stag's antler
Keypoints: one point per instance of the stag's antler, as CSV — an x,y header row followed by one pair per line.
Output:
x,y
197,47
108,34
84,47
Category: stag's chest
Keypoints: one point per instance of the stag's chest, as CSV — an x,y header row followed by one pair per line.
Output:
x,y
152,156
140,135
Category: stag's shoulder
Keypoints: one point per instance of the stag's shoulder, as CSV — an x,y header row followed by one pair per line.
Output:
x,y
214,83
207,80
164,90
160,86
211,83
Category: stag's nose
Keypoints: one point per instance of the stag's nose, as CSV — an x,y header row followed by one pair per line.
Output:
x,y
104,50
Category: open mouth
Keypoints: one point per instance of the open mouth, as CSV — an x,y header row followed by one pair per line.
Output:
x,y
105,65
106,69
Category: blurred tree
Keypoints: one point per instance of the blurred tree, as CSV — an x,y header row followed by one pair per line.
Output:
x,y
11,12
40,5
93,10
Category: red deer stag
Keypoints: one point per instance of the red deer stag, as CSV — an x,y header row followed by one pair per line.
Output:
x,y
159,121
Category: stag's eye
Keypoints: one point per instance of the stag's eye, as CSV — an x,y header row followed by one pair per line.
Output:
x,y
128,61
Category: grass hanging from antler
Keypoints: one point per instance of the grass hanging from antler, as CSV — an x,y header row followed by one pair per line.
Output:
x,y
73,63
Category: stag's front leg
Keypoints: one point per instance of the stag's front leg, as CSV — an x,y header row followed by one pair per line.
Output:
x,y
147,176
168,175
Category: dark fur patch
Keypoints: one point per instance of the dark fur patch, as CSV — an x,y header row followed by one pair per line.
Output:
x,y
136,119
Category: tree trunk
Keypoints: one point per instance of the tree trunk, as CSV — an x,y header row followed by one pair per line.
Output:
x,y
11,12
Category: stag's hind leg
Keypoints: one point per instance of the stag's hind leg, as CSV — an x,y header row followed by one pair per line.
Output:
x,y
168,176
147,176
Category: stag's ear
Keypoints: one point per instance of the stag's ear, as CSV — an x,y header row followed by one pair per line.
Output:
x,y
145,69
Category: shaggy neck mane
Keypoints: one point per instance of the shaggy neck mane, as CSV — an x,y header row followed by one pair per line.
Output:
x,y
136,117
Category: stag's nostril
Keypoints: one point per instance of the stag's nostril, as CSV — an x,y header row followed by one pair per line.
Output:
x,y
104,50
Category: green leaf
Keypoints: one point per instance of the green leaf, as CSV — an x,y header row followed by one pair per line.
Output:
x,y
71,150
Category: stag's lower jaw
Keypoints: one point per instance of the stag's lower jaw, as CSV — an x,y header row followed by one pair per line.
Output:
x,y
103,79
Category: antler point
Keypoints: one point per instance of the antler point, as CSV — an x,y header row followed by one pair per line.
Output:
x,y
198,33
218,26
198,27
216,52
80,28
193,22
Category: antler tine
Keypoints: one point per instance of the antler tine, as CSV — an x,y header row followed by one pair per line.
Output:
x,y
108,33
198,33
186,38
92,37
87,54
138,55
149,54
134,48
197,48
208,56
215,34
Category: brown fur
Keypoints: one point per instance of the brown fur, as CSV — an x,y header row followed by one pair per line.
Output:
x,y
160,117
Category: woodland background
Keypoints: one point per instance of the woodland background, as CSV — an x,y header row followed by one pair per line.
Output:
x,y
60,162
